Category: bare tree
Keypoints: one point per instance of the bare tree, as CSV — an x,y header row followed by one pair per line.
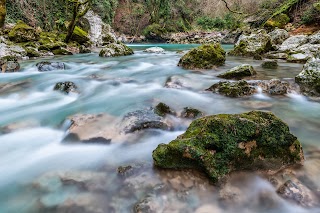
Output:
x,y
80,8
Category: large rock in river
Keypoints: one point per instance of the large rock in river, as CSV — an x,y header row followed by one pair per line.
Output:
x,y
206,56
309,78
220,144
115,49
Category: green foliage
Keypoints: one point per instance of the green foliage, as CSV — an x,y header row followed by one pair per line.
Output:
x,y
105,8
278,21
310,16
228,21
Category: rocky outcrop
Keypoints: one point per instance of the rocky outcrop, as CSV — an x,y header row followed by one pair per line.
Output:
x,y
239,72
219,144
115,49
206,56
23,33
79,35
12,51
249,45
309,78
154,50
233,89
195,38
278,36
66,87
45,66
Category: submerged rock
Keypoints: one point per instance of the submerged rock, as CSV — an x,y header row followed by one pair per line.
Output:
x,y
154,50
91,128
142,119
238,72
206,56
269,64
45,66
223,143
23,33
233,89
66,87
115,49
309,78
250,45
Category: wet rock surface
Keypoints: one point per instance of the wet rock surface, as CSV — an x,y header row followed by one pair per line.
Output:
x,y
232,89
66,87
191,113
154,50
115,49
46,66
9,64
269,64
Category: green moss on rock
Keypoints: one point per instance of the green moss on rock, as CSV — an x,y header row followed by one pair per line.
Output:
x,y
270,64
278,21
22,33
79,35
162,109
206,56
233,89
239,72
220,144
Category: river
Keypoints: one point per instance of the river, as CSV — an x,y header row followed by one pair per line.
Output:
x,y
32,151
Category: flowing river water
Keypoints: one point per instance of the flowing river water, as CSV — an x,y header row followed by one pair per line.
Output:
x,y
32,154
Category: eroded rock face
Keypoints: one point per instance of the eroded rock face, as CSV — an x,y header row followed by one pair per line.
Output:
x,y
206,56
238,72
309,78
223,143
233,89
250,45
115,49
49,66
278,36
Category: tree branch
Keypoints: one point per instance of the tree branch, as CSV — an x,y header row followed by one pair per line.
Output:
x,y
232,11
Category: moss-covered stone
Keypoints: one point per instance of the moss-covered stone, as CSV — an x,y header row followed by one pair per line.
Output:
x,y
61,51
270,64
79,35
206,56
233,89
23,33
278,21
254,44
220,144
189,112
239,72
162,109
32,52
66,87
115,49
309,78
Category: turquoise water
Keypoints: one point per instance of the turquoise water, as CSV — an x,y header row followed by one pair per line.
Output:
x,y
36,115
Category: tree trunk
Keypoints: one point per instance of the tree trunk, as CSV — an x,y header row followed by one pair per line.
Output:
x,y
3,12
73,22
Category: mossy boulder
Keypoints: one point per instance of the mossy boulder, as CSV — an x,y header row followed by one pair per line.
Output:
x,y
278,21
309,78
61,51
233,89
206,56
79,35
115,49
191,113
32,52
22,32
163,109
269,64
220,144
239,72
253,44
